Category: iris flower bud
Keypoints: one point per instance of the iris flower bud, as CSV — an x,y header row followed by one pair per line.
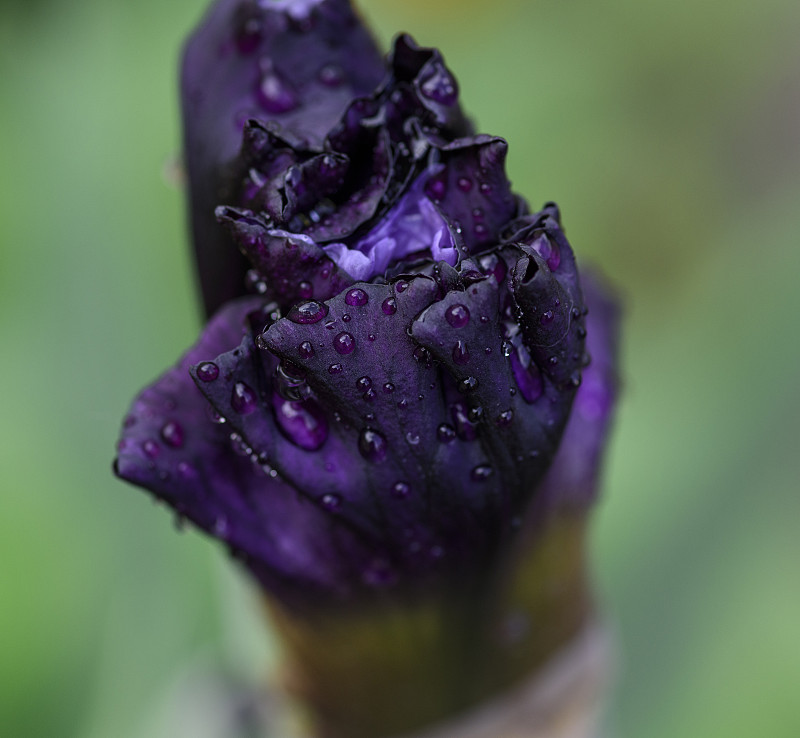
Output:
x,y
392,429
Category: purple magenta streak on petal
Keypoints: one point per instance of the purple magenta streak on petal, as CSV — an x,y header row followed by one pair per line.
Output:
x,y
259,517
267,60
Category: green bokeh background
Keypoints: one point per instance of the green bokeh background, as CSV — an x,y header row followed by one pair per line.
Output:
x,y
669,133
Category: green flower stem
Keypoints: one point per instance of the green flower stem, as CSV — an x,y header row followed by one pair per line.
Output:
x,y
387,670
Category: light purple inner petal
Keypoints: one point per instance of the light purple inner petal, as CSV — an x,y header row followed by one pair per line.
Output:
x,y
413,225
296,8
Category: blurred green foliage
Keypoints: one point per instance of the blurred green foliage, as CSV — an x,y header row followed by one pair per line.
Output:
x,y
669,133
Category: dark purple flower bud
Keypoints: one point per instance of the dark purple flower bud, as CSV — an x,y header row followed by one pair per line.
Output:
x,y
295,63
306,409
405,414
399,387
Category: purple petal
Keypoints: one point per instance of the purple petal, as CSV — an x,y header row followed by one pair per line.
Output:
x,y
308,183
389,464
297,63
296,268
465,332
369,172
434,85
547,295
574,477
368,186
171,446
472,191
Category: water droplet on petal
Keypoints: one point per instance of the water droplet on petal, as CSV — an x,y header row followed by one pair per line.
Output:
x,y
273,92
356,298
461,353
481,473
421,354
214,416
412,438
494,265
401,490
464,427
470,384
446,433
363,383
172,433
248,31
240,448
208,371
151,449
344,344
574,380
372,445
389,306
548,251
436,188
254,282
305,290
331,75
505,418
186,471
529,380
388,388
306,350
335,369
243,399
309,312
331,502
457,315
303,423
440,87
464,184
